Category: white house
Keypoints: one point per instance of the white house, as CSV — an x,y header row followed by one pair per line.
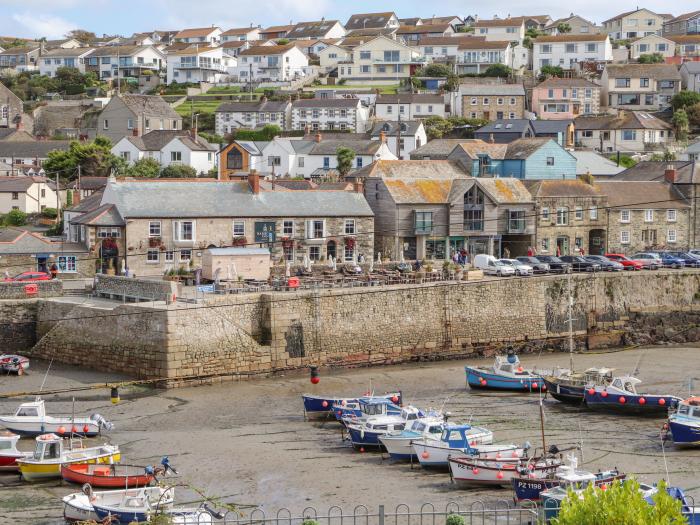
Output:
x,y
567,50
635,23
401,137
332,55
28,194
321,29
381,59
169,147
476,55
200,64
199,35
409,106
690,75
501,29
275,63
650,44
244,34
63,57
230,116
108,62
443,47
330,114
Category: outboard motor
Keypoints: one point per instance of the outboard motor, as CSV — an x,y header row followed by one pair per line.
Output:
x,y
102,422
216,515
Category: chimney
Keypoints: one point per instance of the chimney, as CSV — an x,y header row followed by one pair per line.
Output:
x,y
357,186
492,140
135,132
254,182
670,174
76,197
382,136
318,136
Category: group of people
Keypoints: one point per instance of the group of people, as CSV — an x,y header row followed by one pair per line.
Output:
x,y
460,257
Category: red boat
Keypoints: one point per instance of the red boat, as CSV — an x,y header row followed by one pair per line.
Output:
x,y
114,476
9,453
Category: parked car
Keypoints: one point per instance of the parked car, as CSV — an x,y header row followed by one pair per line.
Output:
x,y
650,261
492,266
605,264
670,261
520,267
580,264
556,265
30,276
626,262
537,266
691,261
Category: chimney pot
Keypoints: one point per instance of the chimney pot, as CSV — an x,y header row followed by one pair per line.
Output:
x,y
254,182
358,187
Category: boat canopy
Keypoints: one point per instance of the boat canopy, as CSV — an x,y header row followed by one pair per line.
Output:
x,y
456,436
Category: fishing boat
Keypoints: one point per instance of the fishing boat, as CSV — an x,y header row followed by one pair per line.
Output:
x,y
30,419
570,387
114,475
9,453
322,406
529,488
51,452
14,364
367,433
366,407
620,395
683,424
506,374
399,443
470,470
79,506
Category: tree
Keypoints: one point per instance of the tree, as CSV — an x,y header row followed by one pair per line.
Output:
x,y
437,127
146,168
620,503
694,114
178,171
16,218
685,99
94,158
551,71
81,35
681,124
283,42
563,28
497,70
345,156
651,58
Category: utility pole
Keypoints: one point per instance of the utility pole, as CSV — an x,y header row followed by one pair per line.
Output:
x,y
58,201
119,88
398,131
250,80
571,325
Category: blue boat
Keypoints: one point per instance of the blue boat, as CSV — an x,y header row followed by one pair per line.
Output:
x,y
505,374
684,424
365,407
322,406
570,387
133,505
621,396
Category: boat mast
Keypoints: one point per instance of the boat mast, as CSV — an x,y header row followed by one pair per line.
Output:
x,y
544,445
571,326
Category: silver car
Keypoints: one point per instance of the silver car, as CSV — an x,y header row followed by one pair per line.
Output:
x,y
520,267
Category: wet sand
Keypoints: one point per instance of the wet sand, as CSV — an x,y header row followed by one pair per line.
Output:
x,y
248,443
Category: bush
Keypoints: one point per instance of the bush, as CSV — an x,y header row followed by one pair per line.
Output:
x,y
497,70
144,168
685,99
551,71
178,171
50,213
652,58
625,160
16,218
454,519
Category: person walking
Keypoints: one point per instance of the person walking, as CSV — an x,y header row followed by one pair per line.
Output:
x,y
506,253
530,251
54,271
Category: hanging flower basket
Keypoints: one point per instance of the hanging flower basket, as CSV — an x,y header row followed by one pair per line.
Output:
x,y
350,242
239,242
154,242
287,242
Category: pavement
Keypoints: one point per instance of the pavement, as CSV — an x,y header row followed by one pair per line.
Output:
x,y
248,443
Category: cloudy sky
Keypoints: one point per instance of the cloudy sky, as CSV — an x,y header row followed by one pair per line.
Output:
x,y
53,18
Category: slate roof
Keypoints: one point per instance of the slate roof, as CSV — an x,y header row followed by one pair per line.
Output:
x,y
475,147
267,50
568,37
105,215
550,127
687,172
506,190
378,31
695,146
89,183
20,184
423,29
238,31
684,16
595,164
562,188
88,203
19,50
292,184
330,147
267,106
628,120
390,127
156,140
71,52
492,89
277,29
405,169
516,125
634,194
35,148
436,149
410,98
316,29
326,103
150,105
17,241
368,20
523,148
178,199
657,71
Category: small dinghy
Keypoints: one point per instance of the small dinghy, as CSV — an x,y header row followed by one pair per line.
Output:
x,y
621,396
14,364
322,406
30,419
683,425
506,374
466,470
115,475
79,505
9,453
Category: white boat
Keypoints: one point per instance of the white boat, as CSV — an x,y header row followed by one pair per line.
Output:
x,y
52,451
399,443
366,433
78,506
9,453
466,470
30,419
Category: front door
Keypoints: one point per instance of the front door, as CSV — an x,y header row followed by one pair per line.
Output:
x,y
42,264
562,246
596,244
487,115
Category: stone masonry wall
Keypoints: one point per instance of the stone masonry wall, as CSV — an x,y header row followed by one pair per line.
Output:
x,y
18,290
17,325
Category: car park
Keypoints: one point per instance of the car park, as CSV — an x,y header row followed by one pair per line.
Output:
x,y
537,265
30,276
606,264
556,265
650,261
626,262
580,264
492,266
520,267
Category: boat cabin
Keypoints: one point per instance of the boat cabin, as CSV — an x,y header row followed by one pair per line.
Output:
x,y
423,427
410,413
626,384
32,409
376,406
48,446
8,441
509,364
689,408
383,424
456,436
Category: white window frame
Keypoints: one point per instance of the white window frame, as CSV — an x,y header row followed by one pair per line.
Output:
x,y
578,213
545,214
671,236
152,226
648,215
169,256
562,216
153,256
67,264
624,237
183,257
240,225
353,227
593,213
671,215
624,216
178,227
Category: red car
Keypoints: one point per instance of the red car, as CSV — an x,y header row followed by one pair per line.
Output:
x,y
30,276
628,263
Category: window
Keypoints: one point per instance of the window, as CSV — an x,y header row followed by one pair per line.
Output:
x,y
671,215
364,69
546,48
105,124
474,101
154,229
391,56
234,159
185,255
300,162
499,101
486,101
671,236
562,216
588,93
287,228
516,221
550,161
273,160
349,254
512,101
315,229
15,196
622,82
571,48
365,55
474,220
326,162
43,192
239,228
624,216
103,233
578,213
153,256
424,222
175,156
545,214
130,124
591,48
183,230
169,256
359,162
126,155
629,134
66,264
624,237
643,82
314,253
593,213
288,252
648,215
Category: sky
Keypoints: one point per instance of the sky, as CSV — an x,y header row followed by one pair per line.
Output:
x,y
54,18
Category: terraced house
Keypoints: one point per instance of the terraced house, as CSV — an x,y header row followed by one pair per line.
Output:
x,y
250,115
274,63
565,98
628,131
52,60
331,114
635,23
648,87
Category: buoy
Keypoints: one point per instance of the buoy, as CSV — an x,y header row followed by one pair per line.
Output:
x,y
339,413
591,391
483,382
544,387
473,443
395,399
314,375
425,454
514,454
622,400
74,429
642,401
520,369
531,466
498,455
61,430
475,471
603,487
343,402
324,404
86,429
362,449
604,393
662,401
499,475
114,395
534,385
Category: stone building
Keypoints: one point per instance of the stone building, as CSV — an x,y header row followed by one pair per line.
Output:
x,y
570,217
645,215
11,108
492,101
154,226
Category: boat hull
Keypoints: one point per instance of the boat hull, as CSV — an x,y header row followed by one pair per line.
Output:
x,y
437,457
468,473
399,448
8,463
77,507
106,476
572,395
38,471
366,438
530,489
59,427
318,406
685,433
629,404
484,380
122,516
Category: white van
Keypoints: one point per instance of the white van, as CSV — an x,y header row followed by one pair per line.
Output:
x,y
492,266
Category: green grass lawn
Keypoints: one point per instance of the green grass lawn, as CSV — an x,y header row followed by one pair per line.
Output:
x,y
223,90
198,107
388,89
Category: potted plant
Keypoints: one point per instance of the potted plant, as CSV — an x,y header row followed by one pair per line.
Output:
x,y
240,242
153,242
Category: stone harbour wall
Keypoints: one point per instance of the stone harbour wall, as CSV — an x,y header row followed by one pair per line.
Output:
x,y
17,325
118,286
18,290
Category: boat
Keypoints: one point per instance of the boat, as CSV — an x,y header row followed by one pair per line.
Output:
x,y
114,475
14,364
9,453
367,433
620,395
79,506
474,470
322,406
365,407
569,387
683,424
529,488
506,374
30,419
51,452
398,444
